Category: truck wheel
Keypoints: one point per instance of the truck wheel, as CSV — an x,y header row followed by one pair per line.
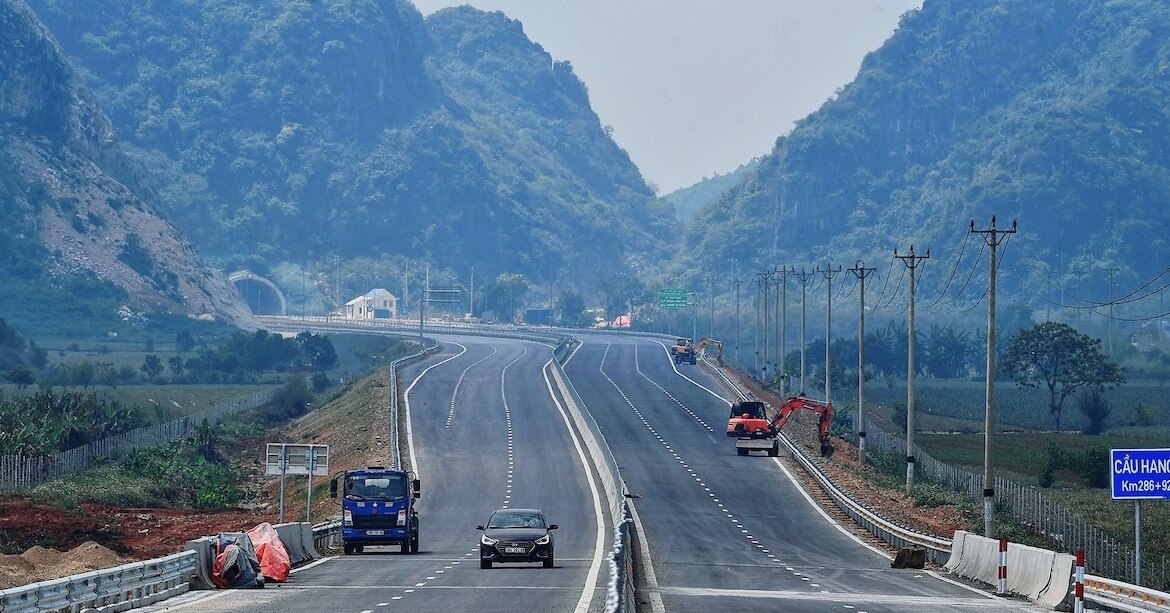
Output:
x,y
414,543
485,563
359,548
404,547
347,549
775,450
741,451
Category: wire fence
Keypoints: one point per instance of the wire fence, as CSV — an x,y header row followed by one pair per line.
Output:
x,y
19,471
1104,555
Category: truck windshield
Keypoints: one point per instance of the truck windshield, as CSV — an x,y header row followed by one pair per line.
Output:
x,y
375,487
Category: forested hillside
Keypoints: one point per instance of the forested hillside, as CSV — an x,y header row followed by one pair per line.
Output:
x,y
1053,112
296,130
689,200
79,246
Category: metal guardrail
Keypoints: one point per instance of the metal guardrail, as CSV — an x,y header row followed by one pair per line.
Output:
x,y
1101,590
938,550
1125,596
119,588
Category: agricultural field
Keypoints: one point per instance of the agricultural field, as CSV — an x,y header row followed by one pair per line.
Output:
x,y
945,405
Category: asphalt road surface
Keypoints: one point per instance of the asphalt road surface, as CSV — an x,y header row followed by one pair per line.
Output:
x,y
724,532
727,532
486,434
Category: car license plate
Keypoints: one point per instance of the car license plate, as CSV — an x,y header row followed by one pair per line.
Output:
x,y
375,532
513,550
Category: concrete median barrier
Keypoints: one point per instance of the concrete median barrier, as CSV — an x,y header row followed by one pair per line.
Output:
x,y
204,549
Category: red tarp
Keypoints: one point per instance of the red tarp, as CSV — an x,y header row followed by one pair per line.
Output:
x,y
274,560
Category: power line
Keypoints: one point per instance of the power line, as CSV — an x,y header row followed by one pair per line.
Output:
x,y
962,251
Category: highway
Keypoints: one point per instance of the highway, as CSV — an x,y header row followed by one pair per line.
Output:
x,y
727,532
486,433
724,532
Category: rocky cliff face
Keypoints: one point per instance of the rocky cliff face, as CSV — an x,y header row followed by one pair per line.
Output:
x,y
73,226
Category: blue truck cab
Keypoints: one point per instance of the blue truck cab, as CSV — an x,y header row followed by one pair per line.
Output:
x,y
377,508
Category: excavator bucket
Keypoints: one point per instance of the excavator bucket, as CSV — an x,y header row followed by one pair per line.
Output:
x,y
826,448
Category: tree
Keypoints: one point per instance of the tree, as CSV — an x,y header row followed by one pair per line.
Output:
x,y
184,342
570,308
948,352
1061,359
152,367
1096,410
21,377
175,362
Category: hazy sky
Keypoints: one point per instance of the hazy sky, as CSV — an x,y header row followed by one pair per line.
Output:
x,y
697,87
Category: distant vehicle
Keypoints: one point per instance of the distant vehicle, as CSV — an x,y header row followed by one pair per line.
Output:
x,y
684,351
377,508
748,423
516,535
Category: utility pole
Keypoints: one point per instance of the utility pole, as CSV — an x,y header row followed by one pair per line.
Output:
x,y
993,237
861,272
711,334
1111,271
767,280
736,282
805,276
471,300
829,273
782,300
756,362
912,262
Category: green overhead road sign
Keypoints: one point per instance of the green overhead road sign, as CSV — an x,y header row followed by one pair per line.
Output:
x,y
672,298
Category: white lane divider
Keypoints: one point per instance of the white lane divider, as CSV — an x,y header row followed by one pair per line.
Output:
x,y
508,423
685,408
455,394
679,459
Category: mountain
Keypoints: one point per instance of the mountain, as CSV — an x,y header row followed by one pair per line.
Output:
x,y
689,200
80,246
298,131
1052,112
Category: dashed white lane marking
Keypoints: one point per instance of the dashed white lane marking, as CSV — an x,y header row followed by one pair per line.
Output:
x,y
685,408
458,383
747,534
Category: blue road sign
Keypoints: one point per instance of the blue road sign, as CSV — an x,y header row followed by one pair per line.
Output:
x,y
1139,474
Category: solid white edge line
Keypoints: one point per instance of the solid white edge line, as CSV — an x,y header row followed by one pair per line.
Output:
x,y
850,534
406,401
580,344
599,542
656,604
695,383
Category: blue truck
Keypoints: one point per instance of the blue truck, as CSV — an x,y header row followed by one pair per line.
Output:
x,y
377,508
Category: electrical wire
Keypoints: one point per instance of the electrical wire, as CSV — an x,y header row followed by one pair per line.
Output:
x,y
962,251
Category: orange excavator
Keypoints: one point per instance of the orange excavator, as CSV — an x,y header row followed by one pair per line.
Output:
x,y
750,426
686,351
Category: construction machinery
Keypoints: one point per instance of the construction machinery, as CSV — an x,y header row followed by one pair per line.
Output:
x,y
753,430
685,351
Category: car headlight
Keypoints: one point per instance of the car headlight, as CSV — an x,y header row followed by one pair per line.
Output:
x,y
544,540
487,540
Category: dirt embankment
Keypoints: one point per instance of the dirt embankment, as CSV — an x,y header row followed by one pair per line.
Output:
x,y
60,542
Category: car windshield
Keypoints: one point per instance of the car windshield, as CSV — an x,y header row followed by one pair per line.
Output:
x,y
375,487
516,519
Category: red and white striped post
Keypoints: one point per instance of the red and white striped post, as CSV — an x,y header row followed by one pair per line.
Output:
x,y
1079,590
1001,588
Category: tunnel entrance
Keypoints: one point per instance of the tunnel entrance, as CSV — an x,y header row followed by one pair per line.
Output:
x,y
261,295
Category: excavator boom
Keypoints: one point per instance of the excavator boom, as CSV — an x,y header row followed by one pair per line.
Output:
x,y
748,420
